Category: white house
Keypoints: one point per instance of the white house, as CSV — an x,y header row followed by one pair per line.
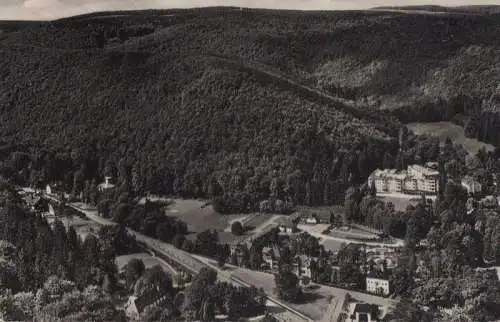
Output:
x,y
472,186
377,285
312,220
50,189
105,185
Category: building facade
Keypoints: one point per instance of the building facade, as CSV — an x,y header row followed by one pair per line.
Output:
x,y
377,285
472,186
416,179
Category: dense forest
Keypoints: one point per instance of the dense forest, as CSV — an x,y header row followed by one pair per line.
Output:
x,y
141,98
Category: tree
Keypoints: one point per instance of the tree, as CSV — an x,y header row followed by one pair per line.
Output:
x,y
133,271
287,285
237,228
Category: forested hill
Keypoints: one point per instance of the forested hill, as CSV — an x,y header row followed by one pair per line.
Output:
x,y
291,112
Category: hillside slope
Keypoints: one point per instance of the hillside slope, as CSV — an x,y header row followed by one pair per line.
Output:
x,y
139,97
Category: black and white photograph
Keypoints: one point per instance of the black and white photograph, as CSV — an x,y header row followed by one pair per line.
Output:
x,y
249,160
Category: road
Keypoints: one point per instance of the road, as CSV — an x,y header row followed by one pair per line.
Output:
x,y
307,228
188,261
289,314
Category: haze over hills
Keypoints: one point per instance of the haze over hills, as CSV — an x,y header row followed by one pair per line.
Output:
x,y
52,9
194,97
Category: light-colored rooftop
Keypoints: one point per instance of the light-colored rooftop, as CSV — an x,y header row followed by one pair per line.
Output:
x,y
424,170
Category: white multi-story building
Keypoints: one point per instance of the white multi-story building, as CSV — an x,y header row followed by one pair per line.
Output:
x,y
416,179
377,285
472,186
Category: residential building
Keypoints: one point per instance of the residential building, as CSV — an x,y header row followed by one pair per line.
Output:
x,y
301,266
335,274
271,257
378,283
415,180
364,312
313,220
106,184
473,186
288,224
152,297
51,189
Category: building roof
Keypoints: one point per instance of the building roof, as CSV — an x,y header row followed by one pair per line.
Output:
x,y
285,222
424,170
371,309
469,180
106,185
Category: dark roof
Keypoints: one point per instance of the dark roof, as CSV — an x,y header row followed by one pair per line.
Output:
x,y
366,308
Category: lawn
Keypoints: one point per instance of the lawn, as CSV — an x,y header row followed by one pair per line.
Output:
x,y
444,130
198,216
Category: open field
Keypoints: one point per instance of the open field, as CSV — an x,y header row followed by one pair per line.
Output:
x,y
148,260
197,217
444,130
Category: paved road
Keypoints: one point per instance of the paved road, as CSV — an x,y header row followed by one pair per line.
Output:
x,y
289,313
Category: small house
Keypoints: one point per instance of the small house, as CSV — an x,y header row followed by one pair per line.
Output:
x,y
271,256
51,189
313,220
288,224
152,297
364,312
106,185
473,186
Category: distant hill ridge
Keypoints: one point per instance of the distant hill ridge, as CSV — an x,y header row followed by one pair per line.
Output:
x,y
139,90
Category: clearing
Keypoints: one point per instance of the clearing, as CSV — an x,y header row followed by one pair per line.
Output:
x,y
444,130
199,217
